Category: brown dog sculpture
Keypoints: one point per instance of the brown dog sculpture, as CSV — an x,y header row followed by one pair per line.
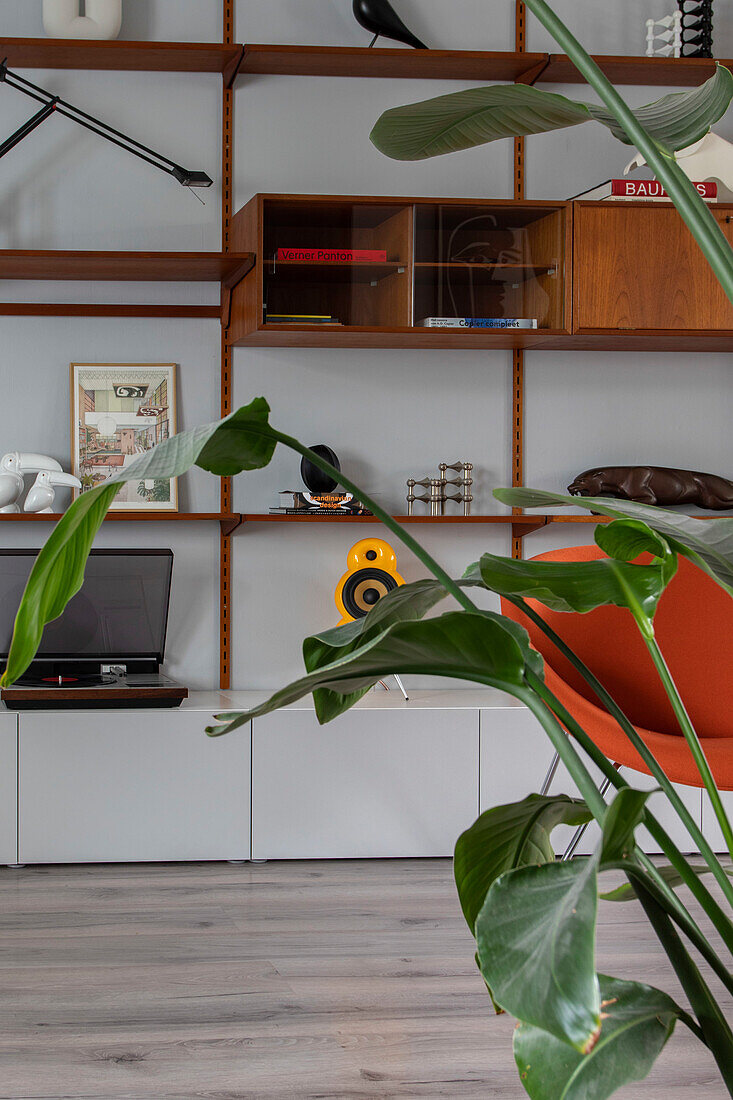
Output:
x,y
655,485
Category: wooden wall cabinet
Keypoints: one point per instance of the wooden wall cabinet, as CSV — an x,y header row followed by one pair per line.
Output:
x,y
444,258
637,266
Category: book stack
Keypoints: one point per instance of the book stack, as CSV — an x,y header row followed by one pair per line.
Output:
x,y
478,322
643,189
301,319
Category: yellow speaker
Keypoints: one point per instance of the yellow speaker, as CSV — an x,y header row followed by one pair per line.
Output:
x,y
371,574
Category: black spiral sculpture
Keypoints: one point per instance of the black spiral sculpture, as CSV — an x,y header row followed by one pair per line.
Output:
x,y
697,27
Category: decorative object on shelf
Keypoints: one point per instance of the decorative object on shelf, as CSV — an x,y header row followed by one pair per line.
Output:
x,y
371,573
63,18
379,17
53,103
42,493
670,36
697,27
13,467
314,478
658,485
437,487
710,158
118,412
319,498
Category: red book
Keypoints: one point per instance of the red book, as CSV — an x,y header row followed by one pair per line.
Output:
x,y
333,255
644,189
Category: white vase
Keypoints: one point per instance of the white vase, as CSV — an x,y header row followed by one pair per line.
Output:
x,y
61,19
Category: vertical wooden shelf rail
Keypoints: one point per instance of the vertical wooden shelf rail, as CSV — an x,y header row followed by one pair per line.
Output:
x,y
517,432
225,538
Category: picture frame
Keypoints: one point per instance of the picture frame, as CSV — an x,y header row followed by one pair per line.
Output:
x,y
118,412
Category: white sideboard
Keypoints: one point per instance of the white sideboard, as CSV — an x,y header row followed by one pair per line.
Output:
x,y
132,785
8,787
389,778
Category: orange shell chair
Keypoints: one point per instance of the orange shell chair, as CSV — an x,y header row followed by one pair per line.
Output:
x,y
694,629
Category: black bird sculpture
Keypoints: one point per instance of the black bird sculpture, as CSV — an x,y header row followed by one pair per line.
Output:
x,y
379,17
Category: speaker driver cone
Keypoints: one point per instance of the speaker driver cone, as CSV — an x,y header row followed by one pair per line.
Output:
x,y
364,588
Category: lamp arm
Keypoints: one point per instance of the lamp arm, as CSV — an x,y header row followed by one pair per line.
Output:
x,y
185,176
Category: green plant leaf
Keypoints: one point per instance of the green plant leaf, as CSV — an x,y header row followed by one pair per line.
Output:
x,y
623,816
506,837
706,542
239,442
472,646
679,119
670,874
580,586
627,539
403,604
637,1021
463,120
536,945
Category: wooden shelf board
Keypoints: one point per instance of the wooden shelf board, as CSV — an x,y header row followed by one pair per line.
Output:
x,y
359,61
460,272
380,61
128,517
105,309
607,519
355,336
66,53
295,271
682,72
196,267
270,517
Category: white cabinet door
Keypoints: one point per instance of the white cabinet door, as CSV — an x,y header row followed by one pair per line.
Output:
x,y
515,755
710,827
375,782
99,786
8,787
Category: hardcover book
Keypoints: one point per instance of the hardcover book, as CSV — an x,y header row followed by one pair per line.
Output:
x,y
333,255
478,322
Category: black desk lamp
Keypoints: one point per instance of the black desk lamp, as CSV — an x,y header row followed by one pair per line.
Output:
x,y
53,103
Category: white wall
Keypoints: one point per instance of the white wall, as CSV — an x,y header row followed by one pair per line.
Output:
x,y
388,414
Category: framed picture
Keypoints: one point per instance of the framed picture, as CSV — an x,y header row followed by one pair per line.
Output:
x,y
119,411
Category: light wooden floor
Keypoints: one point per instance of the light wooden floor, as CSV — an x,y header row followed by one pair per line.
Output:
x,y
332,980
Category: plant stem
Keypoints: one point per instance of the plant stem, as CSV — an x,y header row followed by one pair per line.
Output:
x,y
715,1029
412,544
648,757
563,746
694,211
692,739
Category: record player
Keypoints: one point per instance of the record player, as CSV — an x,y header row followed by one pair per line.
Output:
x,y
106,648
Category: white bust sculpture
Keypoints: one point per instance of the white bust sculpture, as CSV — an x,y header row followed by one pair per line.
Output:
x,y
710,158
63,19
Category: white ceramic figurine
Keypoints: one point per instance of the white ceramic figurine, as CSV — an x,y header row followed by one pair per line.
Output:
x,y
62,19
710,158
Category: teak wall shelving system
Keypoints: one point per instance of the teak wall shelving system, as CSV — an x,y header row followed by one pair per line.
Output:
x,y
228,267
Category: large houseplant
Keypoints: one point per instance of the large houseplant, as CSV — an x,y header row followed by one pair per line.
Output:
x,y
581,1035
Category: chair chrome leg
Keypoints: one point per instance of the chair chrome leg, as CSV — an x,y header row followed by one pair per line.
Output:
x,y
550,774
580,831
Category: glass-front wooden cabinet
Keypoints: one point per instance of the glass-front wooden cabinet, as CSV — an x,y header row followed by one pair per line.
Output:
x,y
394,272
